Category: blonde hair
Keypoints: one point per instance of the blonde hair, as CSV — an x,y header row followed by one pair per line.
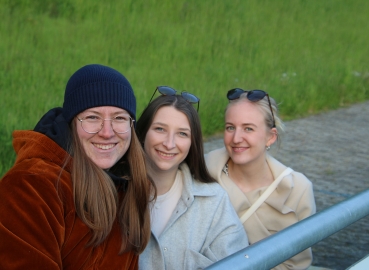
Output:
x,y
98,202
264,106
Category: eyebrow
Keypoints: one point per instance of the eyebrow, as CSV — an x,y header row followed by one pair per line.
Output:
x,y
99,113
165,125
243,124
185,129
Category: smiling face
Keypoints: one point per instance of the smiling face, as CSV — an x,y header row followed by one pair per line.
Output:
x,y
106,147
168,139
246,134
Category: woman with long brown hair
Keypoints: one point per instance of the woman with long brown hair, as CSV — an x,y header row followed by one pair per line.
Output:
x,y
77,196
193,221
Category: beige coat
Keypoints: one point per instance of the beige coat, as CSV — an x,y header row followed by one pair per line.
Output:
x,y
292,201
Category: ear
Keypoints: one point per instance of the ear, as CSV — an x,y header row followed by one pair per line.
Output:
x,y
272,138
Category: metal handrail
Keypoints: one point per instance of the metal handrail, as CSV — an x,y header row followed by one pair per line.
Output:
x,y
281,246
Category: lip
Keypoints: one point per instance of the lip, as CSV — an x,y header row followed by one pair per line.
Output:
x,y
239,149
104,146
165,155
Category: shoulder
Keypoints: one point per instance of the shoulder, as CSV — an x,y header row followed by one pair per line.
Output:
x,y
208,189
36,179
301,179
212,199
215,161
277,168
208,193
198,188
40,192
214,188
215,155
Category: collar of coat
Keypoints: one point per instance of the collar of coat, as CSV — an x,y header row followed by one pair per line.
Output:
x,y
218,158
193,187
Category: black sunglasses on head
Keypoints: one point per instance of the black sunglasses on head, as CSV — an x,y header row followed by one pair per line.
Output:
x,y
168,91
252,95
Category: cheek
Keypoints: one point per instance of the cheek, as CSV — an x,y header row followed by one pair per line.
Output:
x,y
146,146
80,132
152,139
84,138
263,136
125,139
148,143
124,145
227,136
184,144
188,147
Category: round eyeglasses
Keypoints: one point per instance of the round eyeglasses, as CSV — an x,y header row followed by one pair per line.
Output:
x,y
93,124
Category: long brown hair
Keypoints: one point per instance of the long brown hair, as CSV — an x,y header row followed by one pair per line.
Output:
x,y
195,158
98,202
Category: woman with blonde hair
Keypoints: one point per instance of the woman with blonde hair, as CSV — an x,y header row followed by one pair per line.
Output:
x,y
267,195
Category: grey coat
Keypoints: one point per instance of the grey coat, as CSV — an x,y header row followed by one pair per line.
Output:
x,y
203,229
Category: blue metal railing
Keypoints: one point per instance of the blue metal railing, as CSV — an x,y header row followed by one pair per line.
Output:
x,y
281,246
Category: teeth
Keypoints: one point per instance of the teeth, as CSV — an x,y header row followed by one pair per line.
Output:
x,y
104,146
165,155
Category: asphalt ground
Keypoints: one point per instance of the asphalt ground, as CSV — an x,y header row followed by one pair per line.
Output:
x,y
331,149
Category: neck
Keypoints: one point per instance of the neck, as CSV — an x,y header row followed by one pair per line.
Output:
x,y
250,176
163,180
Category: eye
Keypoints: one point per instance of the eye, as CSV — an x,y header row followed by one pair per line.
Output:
x,y
92,118
121,118
230,128
248,129
183,134
159,129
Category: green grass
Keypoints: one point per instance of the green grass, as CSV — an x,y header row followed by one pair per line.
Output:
x,y
311,56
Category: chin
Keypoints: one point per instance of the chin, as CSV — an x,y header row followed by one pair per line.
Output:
x,y
240,161
104,166
164,167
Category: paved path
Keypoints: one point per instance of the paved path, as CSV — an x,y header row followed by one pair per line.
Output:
x,y
332,150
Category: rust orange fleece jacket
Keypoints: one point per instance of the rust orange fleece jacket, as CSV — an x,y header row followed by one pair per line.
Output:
x,y
39,228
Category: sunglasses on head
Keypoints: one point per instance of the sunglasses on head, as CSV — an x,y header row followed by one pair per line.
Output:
x,y
252,95
168,91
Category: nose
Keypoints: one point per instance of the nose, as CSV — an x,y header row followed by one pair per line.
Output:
x,y
169,141
107,129
237,136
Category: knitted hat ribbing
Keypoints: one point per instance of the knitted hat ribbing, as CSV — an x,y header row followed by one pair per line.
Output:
x,y
96,85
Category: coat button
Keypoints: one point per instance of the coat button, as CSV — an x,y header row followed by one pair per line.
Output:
x,y
165,249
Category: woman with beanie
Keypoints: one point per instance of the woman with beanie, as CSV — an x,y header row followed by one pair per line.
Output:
x,y
193,221
267,195
77,196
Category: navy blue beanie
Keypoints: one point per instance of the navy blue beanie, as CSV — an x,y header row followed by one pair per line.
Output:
x,y
95,86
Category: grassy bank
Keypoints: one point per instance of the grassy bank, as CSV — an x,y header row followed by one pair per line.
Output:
x,y
311,56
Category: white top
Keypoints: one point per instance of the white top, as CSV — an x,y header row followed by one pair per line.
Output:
x,y
163,207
